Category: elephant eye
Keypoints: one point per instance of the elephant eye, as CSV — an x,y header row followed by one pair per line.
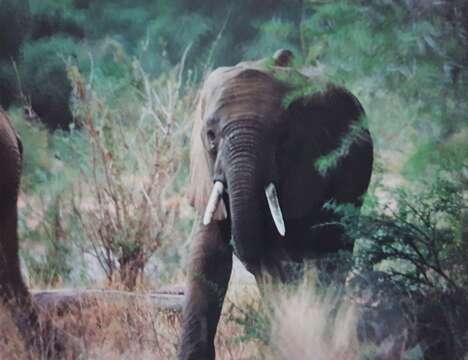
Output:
x,y
210,135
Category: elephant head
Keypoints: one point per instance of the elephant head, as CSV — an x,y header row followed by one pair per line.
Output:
x,y
240,115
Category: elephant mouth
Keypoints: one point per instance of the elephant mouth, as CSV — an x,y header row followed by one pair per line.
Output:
x,y
216,203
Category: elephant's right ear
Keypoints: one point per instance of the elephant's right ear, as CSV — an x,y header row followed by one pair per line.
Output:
x,y
200,182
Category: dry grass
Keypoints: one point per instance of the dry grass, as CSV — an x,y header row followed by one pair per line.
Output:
x,y
310,325
126,329
11,345
106,331
303,322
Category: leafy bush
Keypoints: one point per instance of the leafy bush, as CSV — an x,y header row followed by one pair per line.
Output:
x,y
419,239
8,84
14,26
273,35
47,23
15,21
44,79
125,204
37,159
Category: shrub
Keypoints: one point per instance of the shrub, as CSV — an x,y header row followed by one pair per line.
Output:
x,y
44,79
51,23
14,27
273,35
125,200
37,159
8,84
419,239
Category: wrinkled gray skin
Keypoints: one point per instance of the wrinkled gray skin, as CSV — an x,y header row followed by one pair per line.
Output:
x,y
246,138
41,339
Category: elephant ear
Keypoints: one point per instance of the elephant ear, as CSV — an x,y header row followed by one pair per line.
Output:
x,y
317,125
200,179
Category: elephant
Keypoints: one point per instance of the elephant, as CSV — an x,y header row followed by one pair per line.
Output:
x,y
41,338
255,184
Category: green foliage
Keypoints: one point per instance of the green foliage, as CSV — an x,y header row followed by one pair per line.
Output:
x,y
37,159
53,266
42,81
330,161
253,319
272,35
8,84
50,22
45,83
390,48
14,26
15,19
422,230
419,239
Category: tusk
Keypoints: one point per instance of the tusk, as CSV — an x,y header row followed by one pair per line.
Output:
x,y
273,203
213,201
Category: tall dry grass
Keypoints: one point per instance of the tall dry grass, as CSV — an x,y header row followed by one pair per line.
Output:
x,y
308,325
123,329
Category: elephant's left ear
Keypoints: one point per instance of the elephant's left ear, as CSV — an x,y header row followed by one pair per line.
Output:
x,y
316,126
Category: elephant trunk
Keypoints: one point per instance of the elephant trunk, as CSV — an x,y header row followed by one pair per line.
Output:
x,y
245,177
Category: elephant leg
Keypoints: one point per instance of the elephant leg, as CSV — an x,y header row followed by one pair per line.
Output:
x,y
209,272
13,292
42,339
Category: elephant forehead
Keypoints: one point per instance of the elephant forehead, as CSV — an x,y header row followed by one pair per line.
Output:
x,y
241,92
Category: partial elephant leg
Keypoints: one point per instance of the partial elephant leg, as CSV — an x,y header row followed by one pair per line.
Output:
x,y
209,272
13,293
41,338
